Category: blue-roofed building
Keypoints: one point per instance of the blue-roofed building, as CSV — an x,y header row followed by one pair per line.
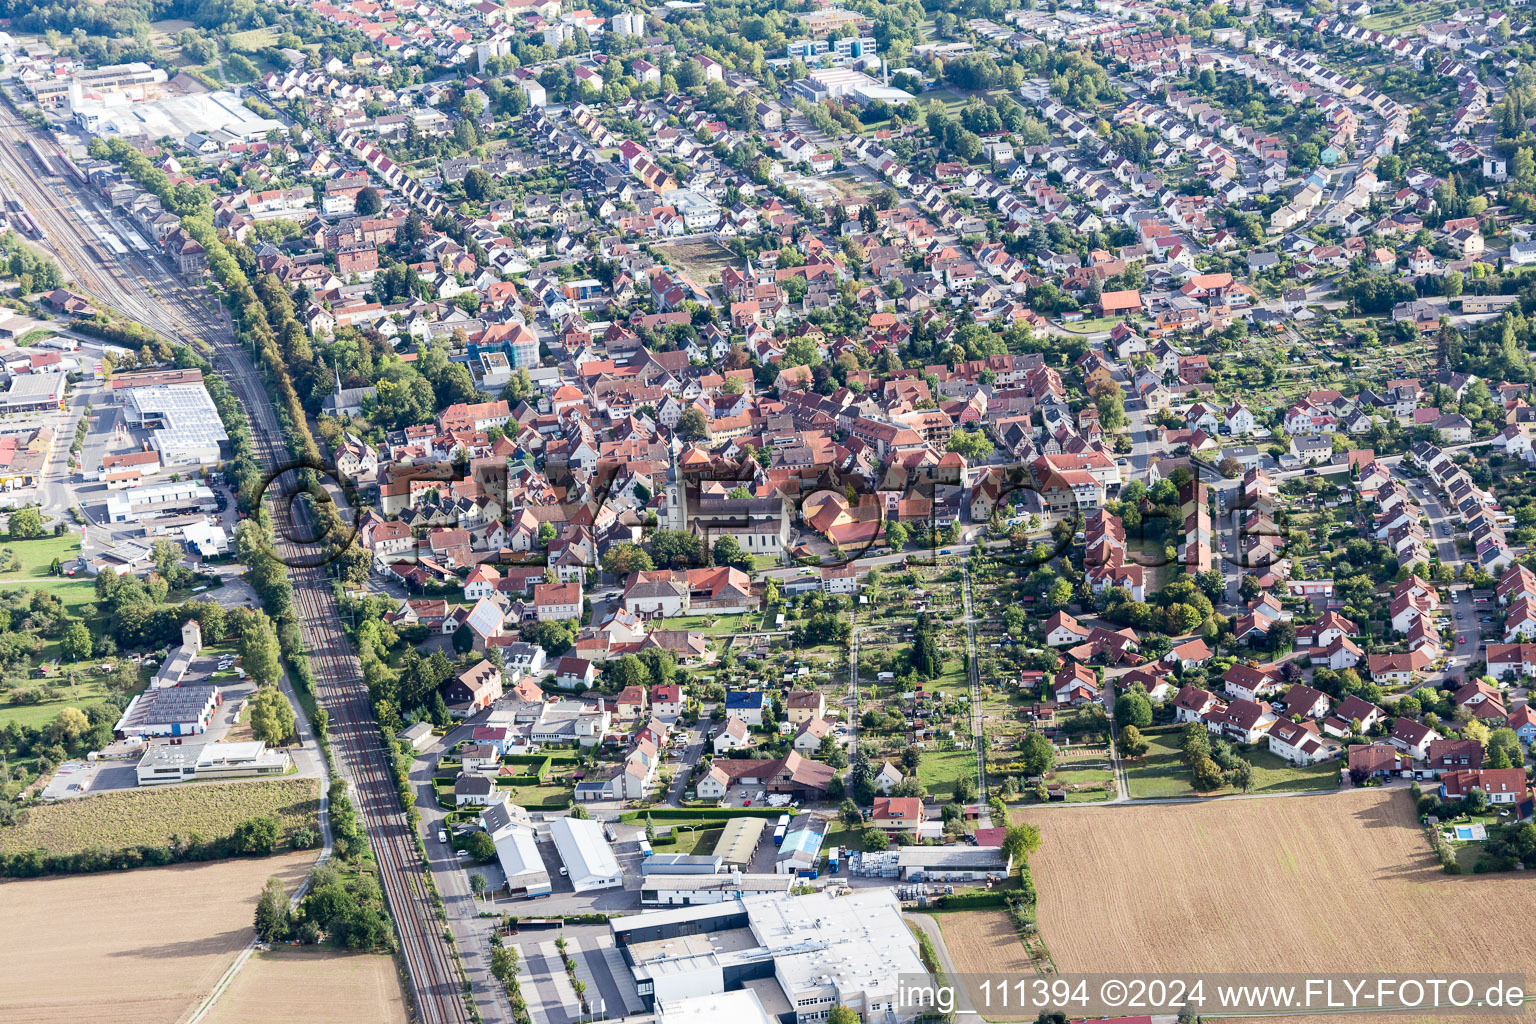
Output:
x,y
747,705
801,850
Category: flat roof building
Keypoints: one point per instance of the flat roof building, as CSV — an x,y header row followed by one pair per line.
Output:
x,y
159,500
953,863
588,859
740,1007
680,864
815,952
183,422
190,762
687,890
33,392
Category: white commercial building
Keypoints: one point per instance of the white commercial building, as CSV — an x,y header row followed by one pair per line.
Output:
x,y
691,890
823,951
739,1007
588,859
517,850
164,763
183,422
160,499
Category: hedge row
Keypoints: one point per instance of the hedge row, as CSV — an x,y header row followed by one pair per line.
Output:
x,y
702,814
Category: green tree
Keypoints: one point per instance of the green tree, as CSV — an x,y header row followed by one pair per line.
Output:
x,y
1021,840
504,962
842,1015
260,654
368,202
1195,742
1206,774
692,425
1132,743
875,840
464,639
273,917
272,718
896,535
1134,708
628,671
1037,754
76,643
26,524
479,185
727,551
626,558
481,847
1522,168
975,445
255,836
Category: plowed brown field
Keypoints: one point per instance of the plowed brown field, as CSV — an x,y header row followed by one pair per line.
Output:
x,y
288,986
137,947
1327,884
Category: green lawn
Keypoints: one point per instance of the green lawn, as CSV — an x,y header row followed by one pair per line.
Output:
x,y
37,555
1160,773
538,796
73,592
713,624
1272,774
37,715
845,838
1411,16
700,841
1092,325
939,770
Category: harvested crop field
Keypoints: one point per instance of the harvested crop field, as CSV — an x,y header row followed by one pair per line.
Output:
x,y
140,947
286,986
1205,886
150,817
983,942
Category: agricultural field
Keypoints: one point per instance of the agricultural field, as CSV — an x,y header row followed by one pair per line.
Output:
x,y
139,948
285,986
1123,885
140,817
986,943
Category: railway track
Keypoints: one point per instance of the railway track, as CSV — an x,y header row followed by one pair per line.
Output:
x,y
144,290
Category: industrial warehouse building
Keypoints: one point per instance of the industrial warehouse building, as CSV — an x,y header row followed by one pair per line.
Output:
x,y
739,1007
689,890
953,863
801,849
798,956
680,864
33,392
588,859
172,711
739,841
182,421
517,850
199,762
160,500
